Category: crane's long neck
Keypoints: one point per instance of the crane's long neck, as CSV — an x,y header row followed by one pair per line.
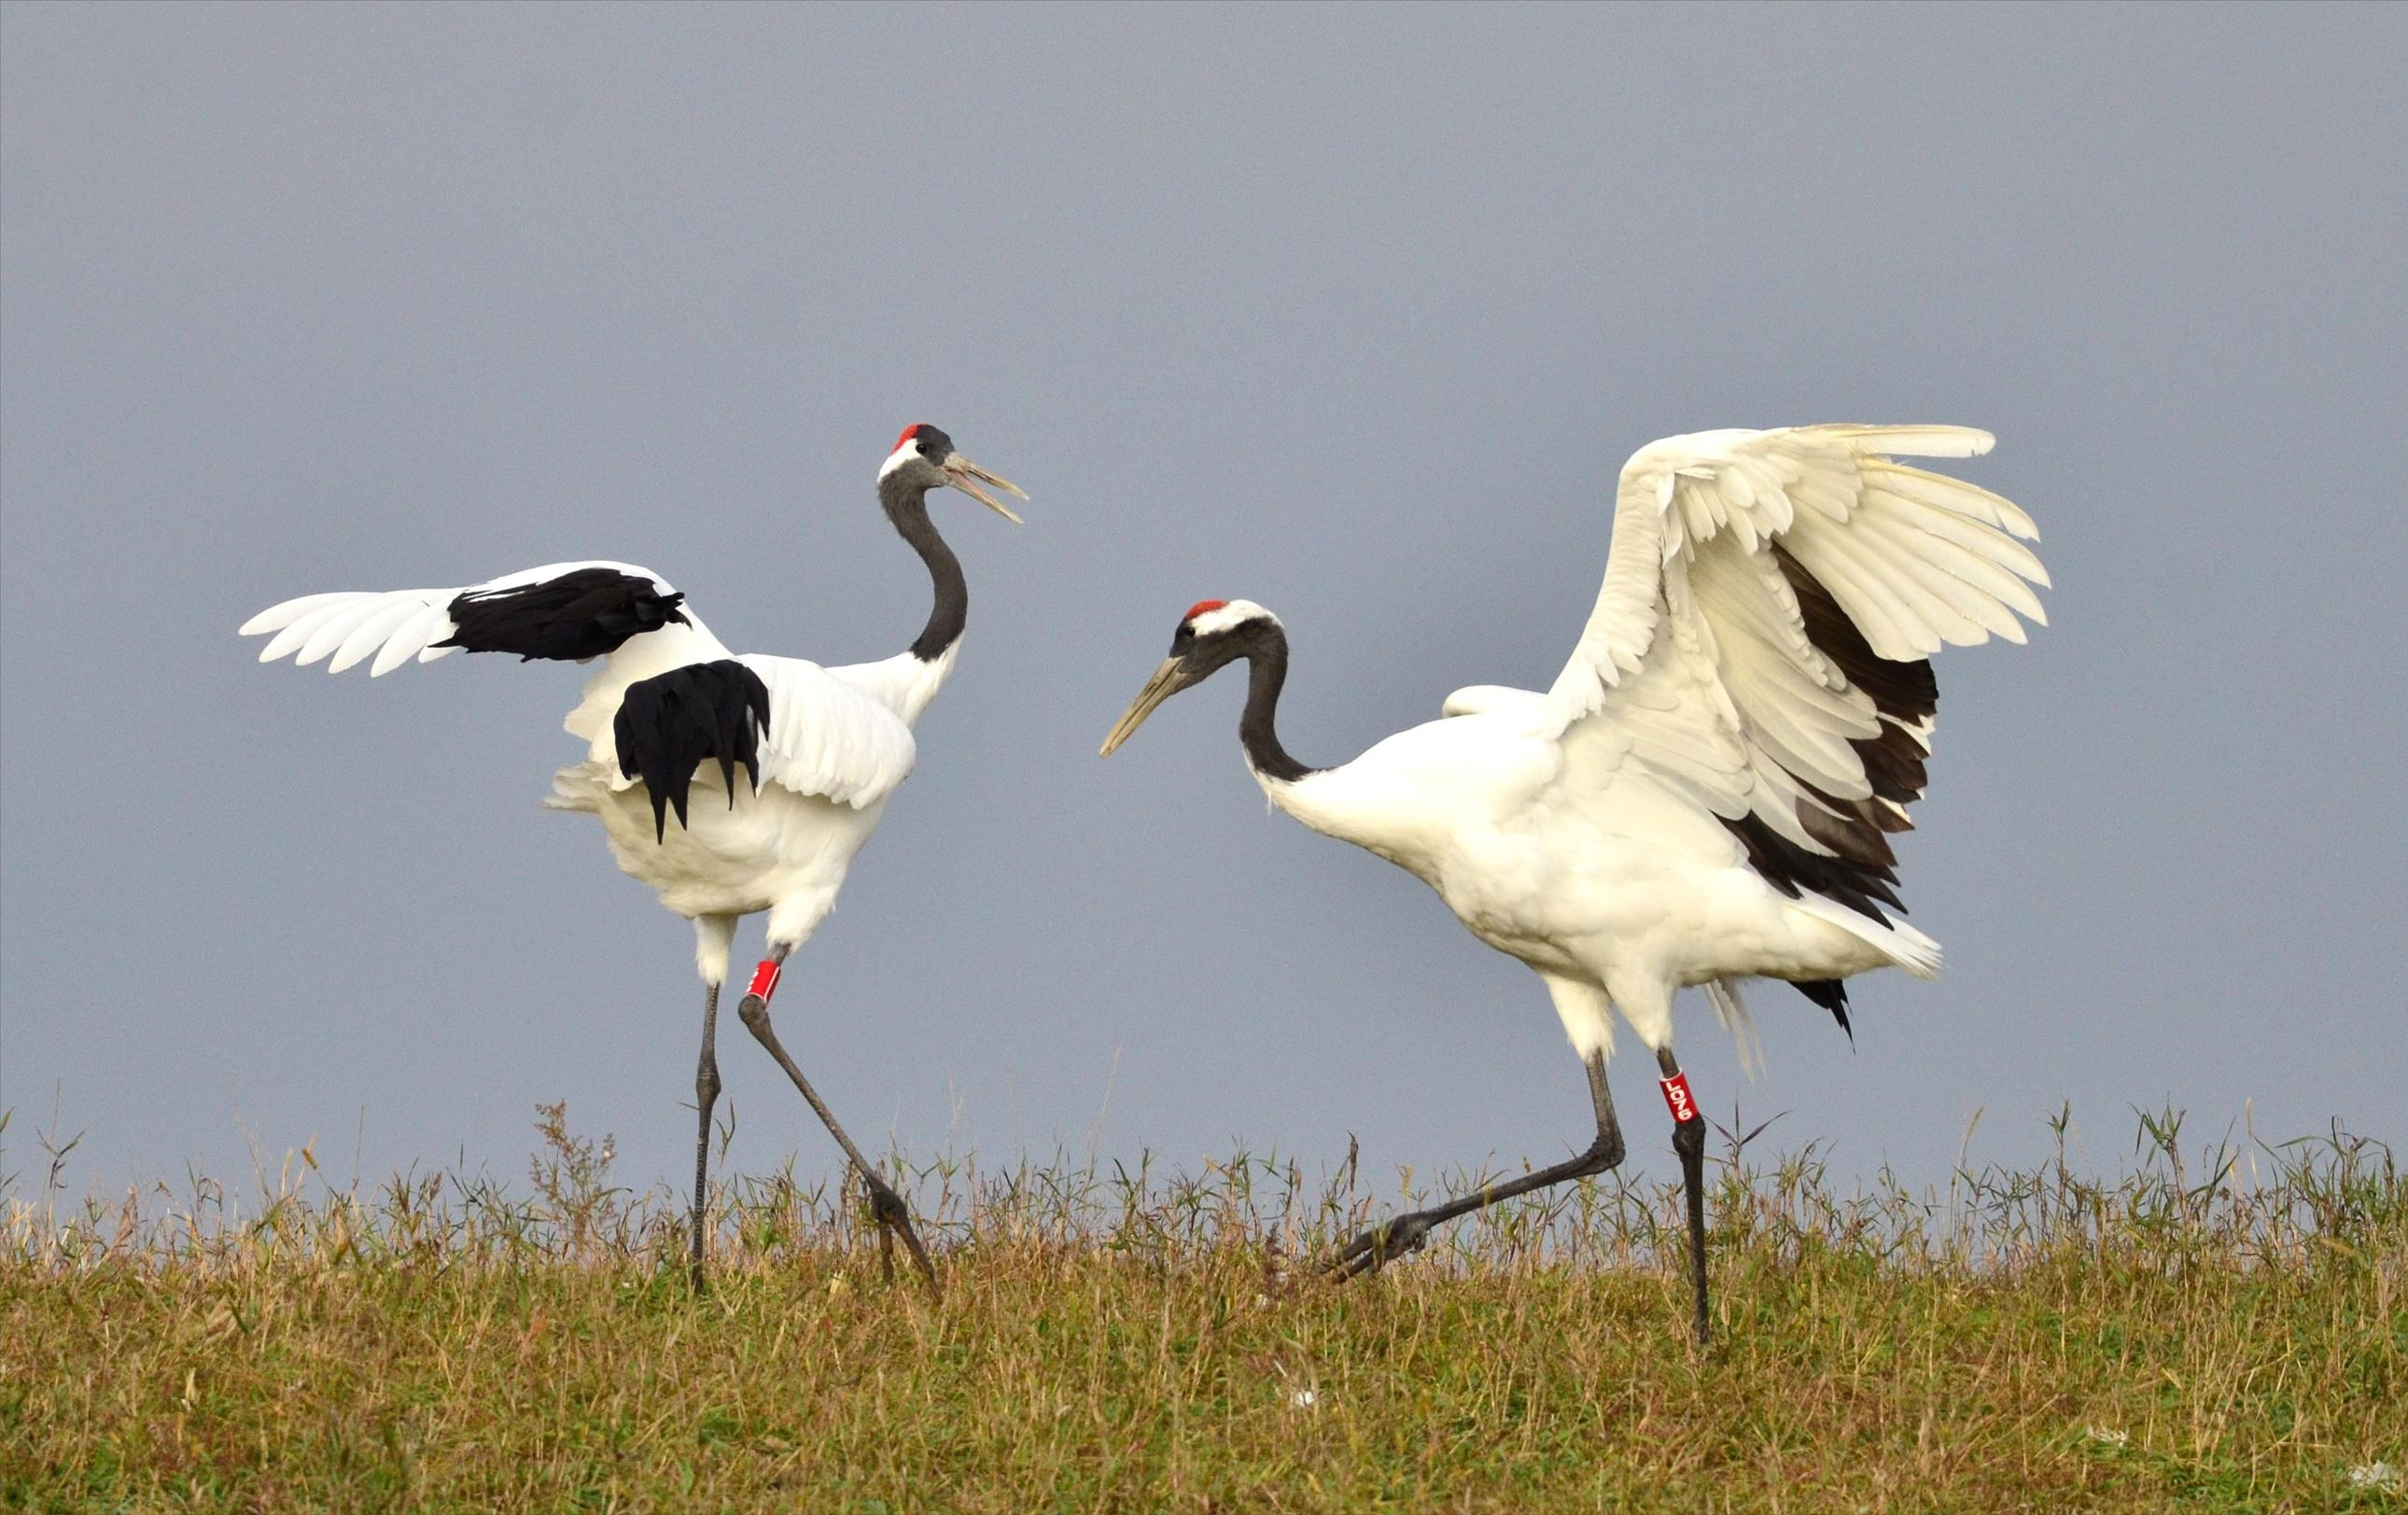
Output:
x,y
907,506
1258,726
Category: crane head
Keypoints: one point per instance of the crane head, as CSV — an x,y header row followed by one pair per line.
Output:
x,y
1212,633
924,459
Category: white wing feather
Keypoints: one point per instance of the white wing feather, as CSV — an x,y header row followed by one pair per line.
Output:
x,y
394,624
828,737
1697,649
1731,1008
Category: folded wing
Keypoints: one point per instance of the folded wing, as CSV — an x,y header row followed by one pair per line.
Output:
x,y
826,737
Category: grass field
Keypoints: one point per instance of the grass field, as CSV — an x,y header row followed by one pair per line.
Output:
x,y
2217,1329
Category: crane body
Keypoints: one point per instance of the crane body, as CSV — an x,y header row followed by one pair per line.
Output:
x,y
1706,792
1617,885
670,718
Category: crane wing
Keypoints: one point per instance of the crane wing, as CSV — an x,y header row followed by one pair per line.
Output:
x,y
828,738
1761,638
572,611
785,722
665,699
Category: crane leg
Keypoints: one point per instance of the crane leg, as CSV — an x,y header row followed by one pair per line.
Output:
x,y
1689,1142
886,1205
1394,1237
705,1094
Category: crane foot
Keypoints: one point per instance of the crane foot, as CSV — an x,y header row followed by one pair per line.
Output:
x,y
1379,1245
894,1218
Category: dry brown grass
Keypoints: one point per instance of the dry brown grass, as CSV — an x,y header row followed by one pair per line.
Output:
x,y
2225,1335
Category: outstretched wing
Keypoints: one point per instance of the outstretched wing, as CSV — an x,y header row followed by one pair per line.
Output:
x,y
568,611
668,701
1760,640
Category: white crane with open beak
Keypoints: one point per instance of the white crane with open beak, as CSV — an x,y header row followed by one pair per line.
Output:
x,y
668,717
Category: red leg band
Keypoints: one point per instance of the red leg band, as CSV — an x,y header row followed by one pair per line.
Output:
x,y
765,980
1676,1096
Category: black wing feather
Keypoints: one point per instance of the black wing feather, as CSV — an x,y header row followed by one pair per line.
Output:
x,y
586,612
1832,995
670,724
1864,873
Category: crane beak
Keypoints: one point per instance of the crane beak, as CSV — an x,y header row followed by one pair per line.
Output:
x,y
1167,680
960,472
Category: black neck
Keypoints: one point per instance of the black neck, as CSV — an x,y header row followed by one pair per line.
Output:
x,y
907,506
1258,728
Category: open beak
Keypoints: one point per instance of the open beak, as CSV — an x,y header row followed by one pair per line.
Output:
x,y
1167,680
961,472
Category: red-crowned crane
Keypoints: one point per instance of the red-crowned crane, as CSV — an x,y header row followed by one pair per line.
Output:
x,y
1702,795
670,715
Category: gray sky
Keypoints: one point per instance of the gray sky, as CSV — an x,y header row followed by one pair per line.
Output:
x,y
1351,311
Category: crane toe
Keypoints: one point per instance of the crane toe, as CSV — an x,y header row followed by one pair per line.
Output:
x,y
1379,1245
